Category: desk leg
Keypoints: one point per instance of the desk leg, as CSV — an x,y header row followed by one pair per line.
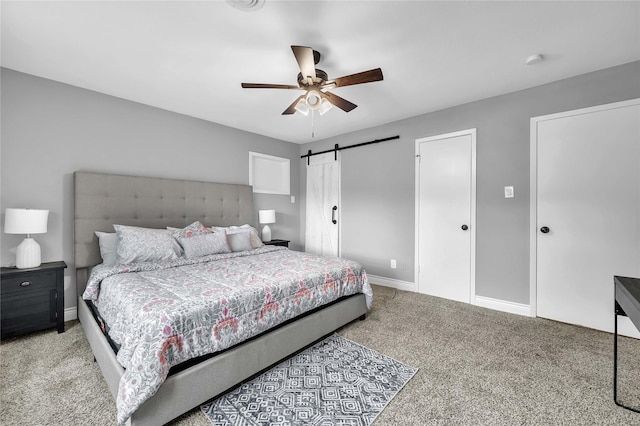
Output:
x,y
615,358
615,364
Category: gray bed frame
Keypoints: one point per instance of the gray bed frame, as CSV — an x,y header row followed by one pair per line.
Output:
x,y
102,200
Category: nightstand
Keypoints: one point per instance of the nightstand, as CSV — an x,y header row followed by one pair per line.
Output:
x,y
32,299
283,243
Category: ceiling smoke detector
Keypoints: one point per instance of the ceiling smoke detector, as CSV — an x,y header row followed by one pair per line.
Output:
x,y
246,5
533,59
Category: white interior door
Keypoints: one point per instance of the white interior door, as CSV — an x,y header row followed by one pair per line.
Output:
x,y
586,221
322,233
445,185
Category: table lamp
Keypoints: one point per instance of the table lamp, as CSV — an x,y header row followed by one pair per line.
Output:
x,y
26,221
266,217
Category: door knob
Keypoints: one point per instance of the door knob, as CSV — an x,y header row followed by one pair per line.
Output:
x,y
464,227
545,230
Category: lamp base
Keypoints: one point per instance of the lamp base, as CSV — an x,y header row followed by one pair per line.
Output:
x,y
266,234
28,254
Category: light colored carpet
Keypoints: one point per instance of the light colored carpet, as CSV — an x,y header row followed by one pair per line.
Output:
x,y
476,367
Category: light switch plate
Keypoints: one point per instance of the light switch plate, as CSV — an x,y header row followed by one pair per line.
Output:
x,y
508,192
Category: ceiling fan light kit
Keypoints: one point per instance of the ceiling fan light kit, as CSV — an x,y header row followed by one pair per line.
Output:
x,y
302,107
315,82
313,99
325,106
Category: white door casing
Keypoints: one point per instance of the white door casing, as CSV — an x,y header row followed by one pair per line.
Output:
x,y
322,233
445,204
585,188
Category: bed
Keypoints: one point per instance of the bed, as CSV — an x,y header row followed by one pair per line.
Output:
x,y
104,200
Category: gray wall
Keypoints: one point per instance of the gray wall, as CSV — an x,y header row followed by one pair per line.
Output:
x,y
50,129
378,181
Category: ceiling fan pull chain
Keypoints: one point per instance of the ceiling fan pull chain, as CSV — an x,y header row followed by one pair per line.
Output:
x,y
312,130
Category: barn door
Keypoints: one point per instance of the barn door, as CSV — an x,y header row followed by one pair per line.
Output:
x,y
323,205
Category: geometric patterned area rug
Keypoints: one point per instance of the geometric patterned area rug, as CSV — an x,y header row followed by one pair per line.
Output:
x,y
334,382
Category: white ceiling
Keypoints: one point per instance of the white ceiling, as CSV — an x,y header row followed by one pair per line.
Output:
x,y
190,57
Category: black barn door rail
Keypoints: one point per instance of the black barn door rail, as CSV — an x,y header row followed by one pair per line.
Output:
x,y
337,148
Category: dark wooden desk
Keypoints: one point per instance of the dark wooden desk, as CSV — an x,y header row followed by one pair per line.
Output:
x,y
627,303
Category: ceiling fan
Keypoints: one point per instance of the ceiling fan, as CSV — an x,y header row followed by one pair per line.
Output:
x,y
316,84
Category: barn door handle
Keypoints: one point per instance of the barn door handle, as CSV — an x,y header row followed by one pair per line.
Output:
x,y
545,229
333,214
464,227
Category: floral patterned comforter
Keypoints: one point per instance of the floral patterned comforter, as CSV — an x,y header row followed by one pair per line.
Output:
x,y
162,314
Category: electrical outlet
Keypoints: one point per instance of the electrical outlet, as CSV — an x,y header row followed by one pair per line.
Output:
x,y
393,264
293,199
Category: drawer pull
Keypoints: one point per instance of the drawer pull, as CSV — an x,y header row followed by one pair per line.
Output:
x,y
25,283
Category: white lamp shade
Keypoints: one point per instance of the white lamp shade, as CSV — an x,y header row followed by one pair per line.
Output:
x,y
25,221
267,216
324,106
302,107
313,98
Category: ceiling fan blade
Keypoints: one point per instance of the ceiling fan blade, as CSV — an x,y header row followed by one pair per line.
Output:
x,y
304,56
269,86
359,78
292,107
341,103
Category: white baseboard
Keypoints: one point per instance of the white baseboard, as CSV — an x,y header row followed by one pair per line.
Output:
x,y
504,306
71,313
485,302
393,283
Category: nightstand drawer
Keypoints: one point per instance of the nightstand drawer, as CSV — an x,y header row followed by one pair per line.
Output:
x,y
35,312
32,282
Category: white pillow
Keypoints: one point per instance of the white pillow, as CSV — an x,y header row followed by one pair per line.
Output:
x,y
137,244
255,237
108,247
239,241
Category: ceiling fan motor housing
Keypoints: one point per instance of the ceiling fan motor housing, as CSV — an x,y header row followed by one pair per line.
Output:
x,y
321,77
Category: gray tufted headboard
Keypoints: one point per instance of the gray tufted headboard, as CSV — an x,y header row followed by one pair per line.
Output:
x,y
102,200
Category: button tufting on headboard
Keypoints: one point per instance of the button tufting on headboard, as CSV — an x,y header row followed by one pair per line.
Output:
x,y
102,200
